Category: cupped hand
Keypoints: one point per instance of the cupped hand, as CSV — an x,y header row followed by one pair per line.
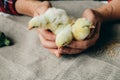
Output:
x,y
78,46
46,37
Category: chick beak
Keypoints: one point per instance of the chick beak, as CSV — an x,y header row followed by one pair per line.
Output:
x,y
92,27
29,28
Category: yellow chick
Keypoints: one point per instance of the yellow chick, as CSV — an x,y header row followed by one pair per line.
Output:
x,y
57,21
62,26
64,37
38,21
80,28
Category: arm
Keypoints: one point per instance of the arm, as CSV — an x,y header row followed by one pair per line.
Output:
x,y
111,11
29,7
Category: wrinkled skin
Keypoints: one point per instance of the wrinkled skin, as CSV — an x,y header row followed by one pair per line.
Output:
x,y
47,38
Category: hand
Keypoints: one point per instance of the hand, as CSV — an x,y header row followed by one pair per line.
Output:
x,y
41,8
46,37
31,7
79,46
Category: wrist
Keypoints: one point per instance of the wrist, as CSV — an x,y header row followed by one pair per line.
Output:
x,y
22,9
106,12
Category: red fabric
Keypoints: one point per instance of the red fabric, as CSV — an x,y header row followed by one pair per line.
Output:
x,y
8,6
2,7
109,0
11,7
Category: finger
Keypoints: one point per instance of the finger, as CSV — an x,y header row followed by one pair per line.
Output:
x,y
55,51
78,44
93,40
46,43
98,28
69,51
47,34
89,14
47,3
94,30
84,44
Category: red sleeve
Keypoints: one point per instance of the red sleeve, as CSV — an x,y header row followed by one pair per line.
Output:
x,y
109,0
8,6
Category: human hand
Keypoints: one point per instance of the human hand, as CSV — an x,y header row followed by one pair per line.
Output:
x,y
41,8
81,45
46,37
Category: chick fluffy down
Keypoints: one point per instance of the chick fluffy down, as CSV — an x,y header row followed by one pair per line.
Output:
x,y
81,28
64,37
61,25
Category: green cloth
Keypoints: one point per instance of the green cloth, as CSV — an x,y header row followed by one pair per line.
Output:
x,y
3,40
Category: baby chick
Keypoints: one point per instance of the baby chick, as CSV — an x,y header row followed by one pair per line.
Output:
x,y
62,26
38,22
81,28
64,37
57,21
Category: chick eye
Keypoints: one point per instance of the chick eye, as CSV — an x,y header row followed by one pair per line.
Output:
x,y
59,23
64,43
86,26
35,26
